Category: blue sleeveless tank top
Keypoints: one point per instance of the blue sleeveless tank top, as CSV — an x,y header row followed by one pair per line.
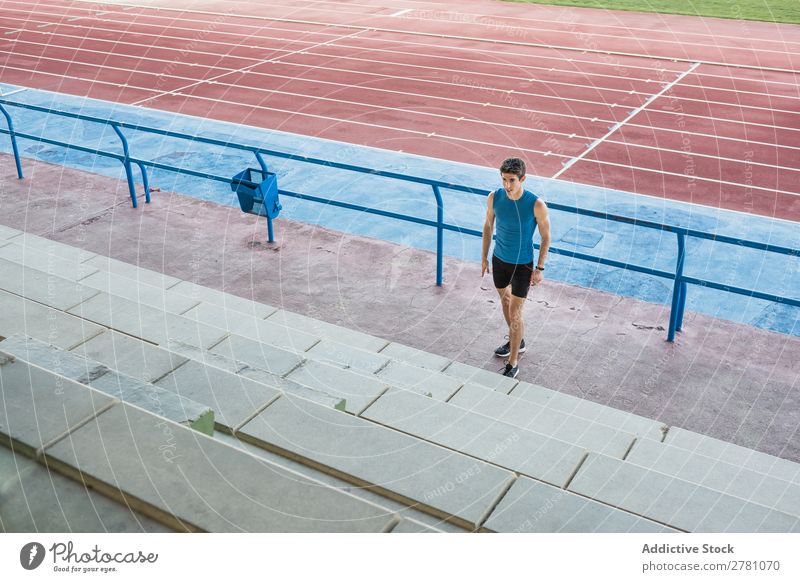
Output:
x,y
515,224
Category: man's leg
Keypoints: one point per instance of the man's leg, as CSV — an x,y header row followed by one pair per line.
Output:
x,y
505,302
516,328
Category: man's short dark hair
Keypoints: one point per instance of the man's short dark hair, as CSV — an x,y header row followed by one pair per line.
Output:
x,y
513,166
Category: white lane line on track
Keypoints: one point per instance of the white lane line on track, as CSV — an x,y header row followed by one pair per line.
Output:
x,y
195,81
496,23
525,111
420,44
482,40
769,95
242,70
597,142
469,72
495,18
516,109
401,12
426,134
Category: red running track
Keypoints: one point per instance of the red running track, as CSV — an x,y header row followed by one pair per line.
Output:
x,y
693,109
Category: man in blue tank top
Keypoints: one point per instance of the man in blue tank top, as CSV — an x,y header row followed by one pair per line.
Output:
x,y
517,213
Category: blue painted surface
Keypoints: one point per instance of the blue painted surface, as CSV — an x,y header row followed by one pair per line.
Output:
x,y
705,259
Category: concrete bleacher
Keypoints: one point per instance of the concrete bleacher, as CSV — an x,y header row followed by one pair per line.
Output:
x,y
185,408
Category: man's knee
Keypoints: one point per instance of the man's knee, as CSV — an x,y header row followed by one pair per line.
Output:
x,y
515,310
505,297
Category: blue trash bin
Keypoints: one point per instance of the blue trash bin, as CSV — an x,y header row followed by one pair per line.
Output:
x,y
258,192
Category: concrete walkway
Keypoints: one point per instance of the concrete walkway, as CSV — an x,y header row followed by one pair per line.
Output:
x,y
726,380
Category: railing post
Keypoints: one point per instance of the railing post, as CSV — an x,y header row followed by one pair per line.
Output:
x,y
127,163
681,306
439,234
13,140
263,164
678,290
145,181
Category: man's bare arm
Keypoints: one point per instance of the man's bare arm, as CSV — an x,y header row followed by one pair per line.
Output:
x,y
543,224
488,231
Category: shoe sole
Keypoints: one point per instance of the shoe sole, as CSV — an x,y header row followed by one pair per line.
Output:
x,y
506,354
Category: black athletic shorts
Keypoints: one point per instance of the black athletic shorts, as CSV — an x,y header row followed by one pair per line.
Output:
x,y
518,276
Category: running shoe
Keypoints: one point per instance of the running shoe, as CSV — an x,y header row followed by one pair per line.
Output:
x,y
510,371
505,350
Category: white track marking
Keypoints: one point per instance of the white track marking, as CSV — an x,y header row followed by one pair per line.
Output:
x,y
427,134
493,105
693,176
405,42
516,18
495,24
242,70
195,81
597,142
593,87
477,39
401,13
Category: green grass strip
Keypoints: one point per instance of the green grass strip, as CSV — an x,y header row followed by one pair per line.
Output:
x,y
786,11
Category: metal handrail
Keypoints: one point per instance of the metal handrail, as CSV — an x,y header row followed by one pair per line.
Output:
x,y
680,281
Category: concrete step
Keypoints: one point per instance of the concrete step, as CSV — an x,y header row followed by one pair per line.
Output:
x,y
221,299
193,372
737,480
129,355
204,485
22,316
261,330
191,482
7,233
599,413
235,398
674,502
139,292
53,248
41,287
367,494
534,507
346,357
34,499
444,483
258,355
324,330
133,272
146,322
525,414
47,256
472,375
358,390
734,454
418,358
523,451
420,380
180,478
170,405
39,407
407,366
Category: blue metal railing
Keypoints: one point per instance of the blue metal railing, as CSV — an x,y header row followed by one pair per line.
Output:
x,y
680,281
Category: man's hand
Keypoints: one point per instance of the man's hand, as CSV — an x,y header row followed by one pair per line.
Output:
x,y
485,266
536,276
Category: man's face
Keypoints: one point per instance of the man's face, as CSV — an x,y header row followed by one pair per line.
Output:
x,y
512,183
